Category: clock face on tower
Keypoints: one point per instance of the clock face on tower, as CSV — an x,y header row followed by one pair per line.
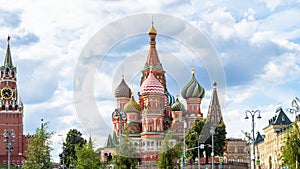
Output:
x,y
6,93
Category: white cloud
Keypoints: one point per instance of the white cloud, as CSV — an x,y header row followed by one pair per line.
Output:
x,y
281,70
272,4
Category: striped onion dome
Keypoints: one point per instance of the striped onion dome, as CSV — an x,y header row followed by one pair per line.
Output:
x,y
193,89
177,106
171,98
132,106
151,86
123,90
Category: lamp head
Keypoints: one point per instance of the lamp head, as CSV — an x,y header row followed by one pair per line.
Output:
x,y
259,117
246,117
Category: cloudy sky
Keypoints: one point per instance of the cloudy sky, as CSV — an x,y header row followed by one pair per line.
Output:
x,y
70,56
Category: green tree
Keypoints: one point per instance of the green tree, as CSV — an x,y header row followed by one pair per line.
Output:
x,y
168,155
126,155
87,158
291,148
38,152
202,128
74,138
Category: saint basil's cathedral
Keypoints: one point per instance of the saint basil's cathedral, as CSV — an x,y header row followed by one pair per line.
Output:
x,y
157,111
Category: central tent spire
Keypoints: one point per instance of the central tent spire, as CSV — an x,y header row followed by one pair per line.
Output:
x,y
153,58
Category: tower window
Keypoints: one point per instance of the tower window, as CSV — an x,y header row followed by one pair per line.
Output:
x,y
6,71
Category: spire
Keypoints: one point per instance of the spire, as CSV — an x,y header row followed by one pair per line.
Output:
x,y
109,142
8,60
214,109
152,55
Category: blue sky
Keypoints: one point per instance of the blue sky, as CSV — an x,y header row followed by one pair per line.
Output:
x,y
256,42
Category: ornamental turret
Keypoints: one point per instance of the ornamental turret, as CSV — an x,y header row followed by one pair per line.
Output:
x,y
122,93
154,97
133,112
193,93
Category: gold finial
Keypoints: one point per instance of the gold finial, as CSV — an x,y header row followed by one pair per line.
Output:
x,y
122,72
132,92
152,20
193,69
176,95
152,29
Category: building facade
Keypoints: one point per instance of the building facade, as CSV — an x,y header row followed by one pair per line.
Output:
x,y
157,111
268,146
237,151
11,114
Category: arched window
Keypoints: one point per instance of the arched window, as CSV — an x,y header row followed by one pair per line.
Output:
x,y
7,71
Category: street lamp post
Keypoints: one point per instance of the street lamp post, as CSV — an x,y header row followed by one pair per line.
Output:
x,y
184,147
198,153
295,110
200,146
8,134
63,154
122,116
252,113
212,132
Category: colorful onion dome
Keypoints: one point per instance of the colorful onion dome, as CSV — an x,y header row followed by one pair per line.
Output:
x,y
151,86
123,90
193,89
171,98
132,106
177,106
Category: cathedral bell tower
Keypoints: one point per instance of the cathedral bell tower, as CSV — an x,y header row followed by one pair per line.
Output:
x,y
11,110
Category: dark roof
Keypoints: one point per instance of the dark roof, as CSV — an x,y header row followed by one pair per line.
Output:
x,y
259,138
280,118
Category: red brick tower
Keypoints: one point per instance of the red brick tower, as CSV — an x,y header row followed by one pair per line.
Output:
x,y
11,112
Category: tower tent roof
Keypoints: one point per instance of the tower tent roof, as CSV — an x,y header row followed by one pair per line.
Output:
x,y
109,142
8,61
214,109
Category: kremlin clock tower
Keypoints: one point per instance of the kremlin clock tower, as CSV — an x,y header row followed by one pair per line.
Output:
x,y
11,114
